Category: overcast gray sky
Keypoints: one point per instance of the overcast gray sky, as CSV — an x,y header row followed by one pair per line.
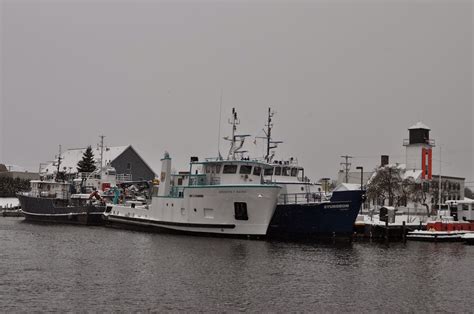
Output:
x,y
345,77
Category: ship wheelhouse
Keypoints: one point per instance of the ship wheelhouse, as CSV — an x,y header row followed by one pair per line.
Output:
x,y
228,172
219,172
49,189
278,172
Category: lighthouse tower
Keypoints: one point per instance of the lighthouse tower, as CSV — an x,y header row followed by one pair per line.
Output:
x,y
419,150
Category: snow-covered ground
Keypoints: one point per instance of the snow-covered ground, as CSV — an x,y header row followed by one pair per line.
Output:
x,y
7,202
410,220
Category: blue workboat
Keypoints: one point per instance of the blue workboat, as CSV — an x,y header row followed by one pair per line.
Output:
x,y
305,209
332,218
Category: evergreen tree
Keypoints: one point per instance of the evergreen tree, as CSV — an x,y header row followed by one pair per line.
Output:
x,y
87,163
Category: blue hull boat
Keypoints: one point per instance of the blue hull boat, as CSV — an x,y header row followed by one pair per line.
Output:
x,y
324,219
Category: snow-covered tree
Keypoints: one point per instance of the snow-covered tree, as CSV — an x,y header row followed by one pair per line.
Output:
x,y
385,185
87,164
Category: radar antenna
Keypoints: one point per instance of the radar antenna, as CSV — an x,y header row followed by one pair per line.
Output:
x,y
236,141
268,137
58,175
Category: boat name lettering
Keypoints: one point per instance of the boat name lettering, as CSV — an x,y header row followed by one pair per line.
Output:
x,y
196,195
338,206
230,192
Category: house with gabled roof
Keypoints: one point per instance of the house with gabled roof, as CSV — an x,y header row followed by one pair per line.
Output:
x,y
124,159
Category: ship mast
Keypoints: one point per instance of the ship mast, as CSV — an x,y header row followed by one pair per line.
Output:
x,y
101,154
236,141
268,136
59,163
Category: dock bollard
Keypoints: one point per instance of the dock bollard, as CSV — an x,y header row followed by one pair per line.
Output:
x,y
404,232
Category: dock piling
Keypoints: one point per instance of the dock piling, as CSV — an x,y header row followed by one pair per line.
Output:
x,y
404,234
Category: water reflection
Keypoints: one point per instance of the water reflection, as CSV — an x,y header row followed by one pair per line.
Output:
x,y
66,268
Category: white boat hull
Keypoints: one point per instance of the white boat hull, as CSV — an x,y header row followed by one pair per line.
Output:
x,y
205,209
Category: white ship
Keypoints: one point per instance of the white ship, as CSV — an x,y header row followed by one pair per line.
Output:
x,y
225,197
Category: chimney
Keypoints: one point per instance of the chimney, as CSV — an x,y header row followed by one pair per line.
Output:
x,y
384,161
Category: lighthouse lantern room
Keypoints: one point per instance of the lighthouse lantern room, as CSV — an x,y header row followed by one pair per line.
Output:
x,y
419,150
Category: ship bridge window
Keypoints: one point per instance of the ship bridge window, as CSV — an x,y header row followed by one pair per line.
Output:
x,y
278,171
268,172
244,169
285,171
294,172
257,171
213,168
230,169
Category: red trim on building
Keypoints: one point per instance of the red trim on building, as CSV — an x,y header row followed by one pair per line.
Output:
x,y
430,164
423,163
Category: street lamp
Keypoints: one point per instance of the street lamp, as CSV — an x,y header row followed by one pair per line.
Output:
x,y
361,176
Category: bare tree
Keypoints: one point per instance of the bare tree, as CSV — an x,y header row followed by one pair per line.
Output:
x,y
385,185
468,193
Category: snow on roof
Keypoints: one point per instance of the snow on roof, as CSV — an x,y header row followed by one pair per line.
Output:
x,y
15,168
419,125
347,187
415,174
71,157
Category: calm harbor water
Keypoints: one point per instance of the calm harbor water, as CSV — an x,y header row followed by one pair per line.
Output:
x,y
70,268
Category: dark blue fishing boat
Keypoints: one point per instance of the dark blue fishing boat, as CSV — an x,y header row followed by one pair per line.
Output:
x,y
323,219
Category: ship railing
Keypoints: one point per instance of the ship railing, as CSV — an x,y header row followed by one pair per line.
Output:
x,y
124,177
48,194
177,191
87,175
197,179
301,198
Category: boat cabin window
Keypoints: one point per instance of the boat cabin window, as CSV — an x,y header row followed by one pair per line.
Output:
x,y
268,172
294,172
278,171
230,169
244,169
285,171
213,168
257,171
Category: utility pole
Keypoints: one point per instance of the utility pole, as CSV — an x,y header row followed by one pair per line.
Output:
x,y
439,183
346,166
390,202
101,154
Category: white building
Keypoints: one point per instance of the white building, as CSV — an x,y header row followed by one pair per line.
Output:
x,y
418,166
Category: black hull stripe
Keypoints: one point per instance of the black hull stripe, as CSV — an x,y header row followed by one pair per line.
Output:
x,y
67,214
169,223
